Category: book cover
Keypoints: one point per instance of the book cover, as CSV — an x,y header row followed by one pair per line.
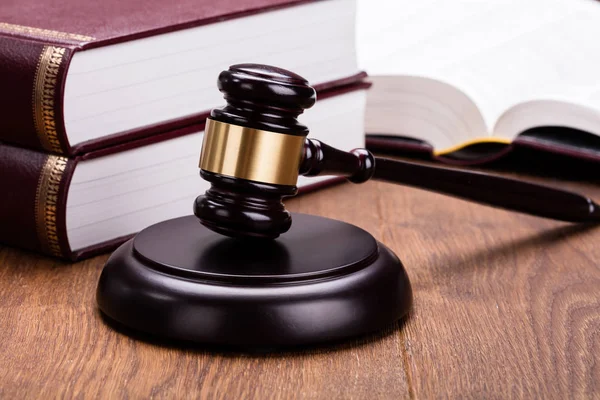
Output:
x,y
38,40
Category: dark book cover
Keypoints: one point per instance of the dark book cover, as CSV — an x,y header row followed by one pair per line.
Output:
x,y
39,38
562,141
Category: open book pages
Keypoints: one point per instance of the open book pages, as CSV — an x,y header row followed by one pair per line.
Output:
x,y
468,71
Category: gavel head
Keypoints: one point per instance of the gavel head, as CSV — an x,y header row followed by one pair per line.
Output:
x,y
252,151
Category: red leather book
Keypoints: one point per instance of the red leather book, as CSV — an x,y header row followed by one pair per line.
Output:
x,y
80,75
74,207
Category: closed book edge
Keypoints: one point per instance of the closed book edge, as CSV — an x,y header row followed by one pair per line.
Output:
x,y
33,210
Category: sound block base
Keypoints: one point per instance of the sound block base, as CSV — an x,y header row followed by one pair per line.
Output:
x,y
323,281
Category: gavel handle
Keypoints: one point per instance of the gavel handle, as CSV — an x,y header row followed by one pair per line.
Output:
x,y
360,165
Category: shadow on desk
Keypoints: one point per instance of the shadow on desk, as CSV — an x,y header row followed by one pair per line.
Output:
x,y
454,264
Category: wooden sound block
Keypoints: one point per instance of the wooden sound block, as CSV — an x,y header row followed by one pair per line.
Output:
x,y
324,280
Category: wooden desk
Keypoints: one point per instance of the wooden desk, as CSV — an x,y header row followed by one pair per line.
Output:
x,y
506,305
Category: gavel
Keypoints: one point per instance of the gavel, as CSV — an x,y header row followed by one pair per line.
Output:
x,y
323,281
254,148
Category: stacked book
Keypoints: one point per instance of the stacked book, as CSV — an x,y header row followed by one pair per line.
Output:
x,y
104,104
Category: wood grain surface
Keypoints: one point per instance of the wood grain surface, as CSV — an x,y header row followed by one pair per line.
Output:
x,y
506,306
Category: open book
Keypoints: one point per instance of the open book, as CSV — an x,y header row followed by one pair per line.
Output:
x,y
471,78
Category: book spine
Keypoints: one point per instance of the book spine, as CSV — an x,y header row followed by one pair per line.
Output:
x,y
33,204
32,76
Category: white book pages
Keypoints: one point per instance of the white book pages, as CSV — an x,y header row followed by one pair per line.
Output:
x,y
500,53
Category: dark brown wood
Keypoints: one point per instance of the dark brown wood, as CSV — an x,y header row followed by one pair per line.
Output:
x,y
260,97
488,189
241,208
516,195
506,305
264,97
324,281
319,158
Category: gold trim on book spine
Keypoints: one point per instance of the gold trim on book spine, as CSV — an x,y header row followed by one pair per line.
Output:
x,y
252,154
44,90
44,33
46,204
